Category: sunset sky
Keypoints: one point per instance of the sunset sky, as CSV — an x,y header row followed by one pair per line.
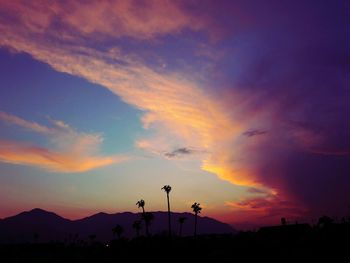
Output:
x,y
242,106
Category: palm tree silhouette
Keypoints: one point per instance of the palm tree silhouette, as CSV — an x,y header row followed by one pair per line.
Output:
x,y
148,218
137,226
167,189
196,210
181,221
118,230
141,203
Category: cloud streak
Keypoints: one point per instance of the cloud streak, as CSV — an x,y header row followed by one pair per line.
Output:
x,y
73,151
253,132
181,152
135,19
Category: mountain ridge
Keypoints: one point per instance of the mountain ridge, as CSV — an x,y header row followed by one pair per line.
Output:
x,y
38,225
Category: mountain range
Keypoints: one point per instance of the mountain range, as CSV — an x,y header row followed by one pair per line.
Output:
x,y
39,225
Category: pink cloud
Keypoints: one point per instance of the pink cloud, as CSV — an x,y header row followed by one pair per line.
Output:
x,y
267,209
135,19
24,123
71,151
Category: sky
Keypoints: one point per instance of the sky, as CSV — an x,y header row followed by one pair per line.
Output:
x,y
242,106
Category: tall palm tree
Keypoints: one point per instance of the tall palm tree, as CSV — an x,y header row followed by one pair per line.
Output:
x,y
196,210
167,189
141,203
148,218
181,221
137,226
118,230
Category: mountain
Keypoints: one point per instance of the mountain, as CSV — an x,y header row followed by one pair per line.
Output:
x,y
32,225
39,225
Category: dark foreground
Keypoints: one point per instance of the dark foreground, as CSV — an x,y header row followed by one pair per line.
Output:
x,y
276,243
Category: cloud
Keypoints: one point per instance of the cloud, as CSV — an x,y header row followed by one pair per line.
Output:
x,y
63,162
331,152
268,209
180,152
135,19
24,123
72,152
253,190
252,132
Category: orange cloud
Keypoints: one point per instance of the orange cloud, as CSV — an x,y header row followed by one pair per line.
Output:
x,y
73,151
63,162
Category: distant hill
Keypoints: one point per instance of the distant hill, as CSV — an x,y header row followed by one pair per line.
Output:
x,y
39,225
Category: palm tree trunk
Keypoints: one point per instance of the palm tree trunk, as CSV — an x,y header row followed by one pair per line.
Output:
x,y
169,219
146,223
195,225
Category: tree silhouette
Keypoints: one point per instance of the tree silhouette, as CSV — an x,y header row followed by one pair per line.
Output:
x,y
283,221
137,226
141,203
36,237
167,189
325,221
181,221
92,238
118,230
196,210
148,218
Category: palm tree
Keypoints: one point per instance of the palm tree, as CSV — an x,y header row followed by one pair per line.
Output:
x,y
196,210
141,203
181,221
118,230
167,189
137,226
148,218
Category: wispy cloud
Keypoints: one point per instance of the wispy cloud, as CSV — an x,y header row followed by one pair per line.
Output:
x,y
63,162
70,151
180,152
24,123
269,208
253,190
254,132
116,19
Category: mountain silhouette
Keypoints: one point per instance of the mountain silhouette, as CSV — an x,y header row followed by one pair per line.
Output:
x,y
39,225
